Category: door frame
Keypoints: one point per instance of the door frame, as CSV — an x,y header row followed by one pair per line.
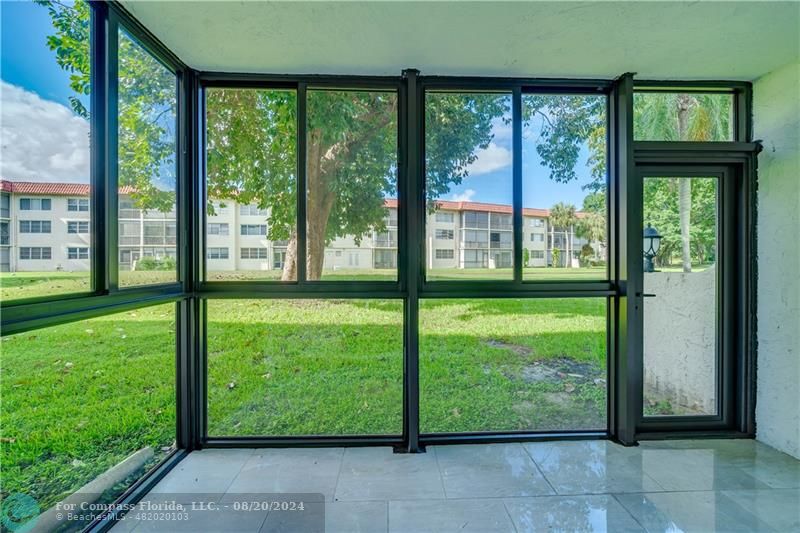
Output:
x,y
734,164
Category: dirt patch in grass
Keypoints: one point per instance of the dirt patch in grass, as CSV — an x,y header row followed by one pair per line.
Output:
x,y
518,349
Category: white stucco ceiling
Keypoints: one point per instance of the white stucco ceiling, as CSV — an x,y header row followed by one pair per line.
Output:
x,y
658,40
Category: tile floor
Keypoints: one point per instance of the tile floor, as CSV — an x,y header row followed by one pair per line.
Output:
x,y
708,485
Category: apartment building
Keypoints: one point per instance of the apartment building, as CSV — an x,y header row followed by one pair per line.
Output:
x,y
45,227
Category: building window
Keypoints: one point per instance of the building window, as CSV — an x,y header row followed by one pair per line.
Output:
x,y
217,253
218,228
127,209
501,221
34,204
444,234
219,208
476,259
444,254
537,223
476,219
537,254
252,210
444,217
78,204
278,258
253,253
391,219
78,253
254,229
352,259
476,239
501,239
34,226
537,237
78,227
4,234
5,206
35,252
385,259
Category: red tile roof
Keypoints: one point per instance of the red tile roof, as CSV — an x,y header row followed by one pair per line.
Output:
x,y
51,188
80,189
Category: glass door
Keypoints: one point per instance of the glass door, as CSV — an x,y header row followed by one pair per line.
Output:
x,y
685,296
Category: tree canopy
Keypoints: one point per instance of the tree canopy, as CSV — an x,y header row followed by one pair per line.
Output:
x,y
351,164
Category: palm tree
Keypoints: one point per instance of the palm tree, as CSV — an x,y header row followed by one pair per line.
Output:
x,y
563,216
592,227
683,117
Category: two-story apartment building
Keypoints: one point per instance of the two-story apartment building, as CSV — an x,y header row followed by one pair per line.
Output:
x,y
45,227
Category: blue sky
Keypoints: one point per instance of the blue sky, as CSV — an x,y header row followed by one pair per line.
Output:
x,y
26,60
489,179
54,134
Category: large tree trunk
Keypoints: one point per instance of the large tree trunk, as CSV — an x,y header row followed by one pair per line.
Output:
x,y
684,187
319,204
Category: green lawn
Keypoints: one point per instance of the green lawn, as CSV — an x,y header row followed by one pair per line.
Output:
x,y
18,285
280,367
80,397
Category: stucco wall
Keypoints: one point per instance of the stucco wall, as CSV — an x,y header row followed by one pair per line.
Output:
x,y
680,340
776,117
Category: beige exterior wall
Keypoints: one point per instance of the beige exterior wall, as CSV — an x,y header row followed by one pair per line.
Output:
x,y
225,241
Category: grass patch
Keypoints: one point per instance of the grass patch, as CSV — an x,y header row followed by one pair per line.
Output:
x,y
81,397
307,367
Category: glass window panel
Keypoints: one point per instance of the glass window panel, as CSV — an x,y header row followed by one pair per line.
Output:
x,y
351,174
468,158
564,184
45,155
80,398
251,179
512,364
147,162
680,334
694,116
305,367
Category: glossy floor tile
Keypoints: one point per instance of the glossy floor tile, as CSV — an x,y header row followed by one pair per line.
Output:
x,y
708,485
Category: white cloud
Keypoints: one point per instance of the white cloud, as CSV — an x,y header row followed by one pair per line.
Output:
x,y
41,140
491,158
465,196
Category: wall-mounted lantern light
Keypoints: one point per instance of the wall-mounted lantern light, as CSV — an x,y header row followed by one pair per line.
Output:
x,y
651,244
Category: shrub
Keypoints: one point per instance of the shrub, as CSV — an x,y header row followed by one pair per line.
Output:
x,y
153,263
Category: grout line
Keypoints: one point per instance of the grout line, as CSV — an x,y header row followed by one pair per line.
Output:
x,y
614,497
387,516
508,514
538,468
338,475
252,453
439,469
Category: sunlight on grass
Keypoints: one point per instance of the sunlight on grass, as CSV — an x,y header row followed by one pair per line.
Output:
x,y
507,365
81,397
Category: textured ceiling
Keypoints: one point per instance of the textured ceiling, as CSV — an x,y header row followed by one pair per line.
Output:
x,y
658,40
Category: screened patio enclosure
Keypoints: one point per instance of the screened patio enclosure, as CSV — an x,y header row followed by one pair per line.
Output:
x,y
390,254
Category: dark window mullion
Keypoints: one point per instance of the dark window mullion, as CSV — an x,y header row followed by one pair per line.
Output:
x,y
516,121
302,142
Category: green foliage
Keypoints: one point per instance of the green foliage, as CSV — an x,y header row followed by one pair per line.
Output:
x,y
456,126
568,122
661,211
526,257
152,263
71,45
556,253
147,102
563,216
